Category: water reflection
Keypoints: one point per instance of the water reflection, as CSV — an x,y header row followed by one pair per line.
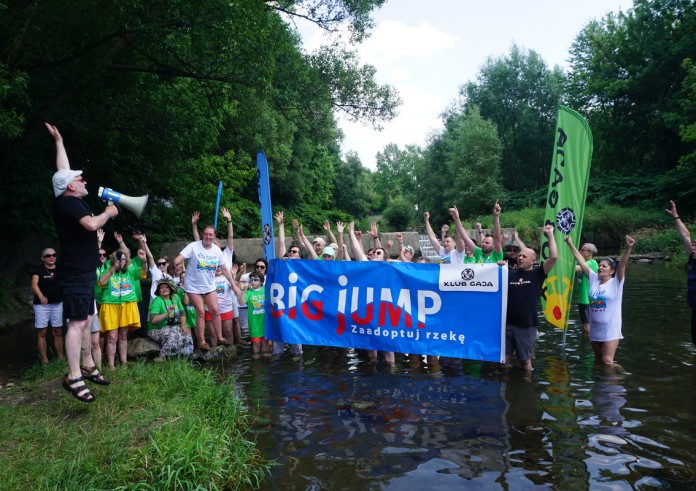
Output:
x,y
335,421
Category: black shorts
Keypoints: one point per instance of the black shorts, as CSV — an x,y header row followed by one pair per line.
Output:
x,y
520,340
584,311
78,307
78,296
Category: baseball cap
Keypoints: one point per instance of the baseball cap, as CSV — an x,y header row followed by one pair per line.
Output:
x,y
409,249
320,240
328,251
62,178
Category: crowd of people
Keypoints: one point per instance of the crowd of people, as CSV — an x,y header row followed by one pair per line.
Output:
x,y
204,289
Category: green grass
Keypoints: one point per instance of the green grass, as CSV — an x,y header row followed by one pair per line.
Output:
x,y
157,426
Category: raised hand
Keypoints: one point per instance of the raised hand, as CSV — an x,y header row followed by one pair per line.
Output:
x,y
226,214
194,217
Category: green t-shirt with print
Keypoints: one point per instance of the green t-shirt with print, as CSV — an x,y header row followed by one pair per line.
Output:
x,y
191,315
255,300
119,288
584,284
494,256
159,306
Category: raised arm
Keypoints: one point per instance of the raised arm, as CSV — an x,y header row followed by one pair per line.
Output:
x,y
516,238
355,243
89,222
621,268
340,227
374,233
578,257
150,263
329,233
463,238
194,225
62,162
431,235
280,246
230,228
497,231
462,234
402,248
444,230
681,228
307,244
553,249
122,245
100,237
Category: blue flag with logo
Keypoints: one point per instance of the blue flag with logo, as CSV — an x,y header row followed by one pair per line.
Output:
x,y
448,310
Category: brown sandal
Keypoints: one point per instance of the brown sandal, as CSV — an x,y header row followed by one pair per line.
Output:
x,y
93,375
80,392
204,346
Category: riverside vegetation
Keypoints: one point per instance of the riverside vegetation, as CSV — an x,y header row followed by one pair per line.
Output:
x,y
157,426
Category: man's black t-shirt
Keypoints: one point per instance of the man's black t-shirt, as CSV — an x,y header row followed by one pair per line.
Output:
x,y
524,291
47,284
79,253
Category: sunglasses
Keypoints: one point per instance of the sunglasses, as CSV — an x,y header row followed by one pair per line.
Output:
x,y
79,179
162,264
260,266
49,255
102,254
255,279
293,251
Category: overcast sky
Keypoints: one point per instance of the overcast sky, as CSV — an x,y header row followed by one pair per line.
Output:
x,y
428,49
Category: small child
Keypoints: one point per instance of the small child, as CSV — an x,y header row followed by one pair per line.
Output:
x,y
254,298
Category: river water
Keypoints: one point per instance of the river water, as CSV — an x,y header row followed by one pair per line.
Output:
x,y
334,421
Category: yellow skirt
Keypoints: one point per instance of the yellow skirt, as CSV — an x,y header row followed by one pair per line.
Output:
x,y
115,315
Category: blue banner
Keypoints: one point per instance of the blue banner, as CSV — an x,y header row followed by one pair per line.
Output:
x,y
265,202
448,310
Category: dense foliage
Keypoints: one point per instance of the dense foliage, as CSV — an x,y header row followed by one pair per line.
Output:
x,y
169,97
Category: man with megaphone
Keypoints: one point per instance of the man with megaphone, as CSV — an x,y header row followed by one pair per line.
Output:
x,y
76,227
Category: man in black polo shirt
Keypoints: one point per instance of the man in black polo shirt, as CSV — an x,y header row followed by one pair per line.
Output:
x,y
524,292
76,228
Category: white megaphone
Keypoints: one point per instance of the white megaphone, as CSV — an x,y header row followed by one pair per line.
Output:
x,y
134,204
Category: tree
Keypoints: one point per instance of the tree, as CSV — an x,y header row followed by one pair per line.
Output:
x,y
473,154
353,187
152,94
462,167
520,95
627,78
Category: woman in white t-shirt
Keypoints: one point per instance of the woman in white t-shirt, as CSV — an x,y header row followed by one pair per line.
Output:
x,y
606,294
204,258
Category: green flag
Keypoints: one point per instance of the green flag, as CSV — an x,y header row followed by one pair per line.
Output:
x,y
565,207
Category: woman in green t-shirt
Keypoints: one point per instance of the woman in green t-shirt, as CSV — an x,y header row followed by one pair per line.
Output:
x,y
167,322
